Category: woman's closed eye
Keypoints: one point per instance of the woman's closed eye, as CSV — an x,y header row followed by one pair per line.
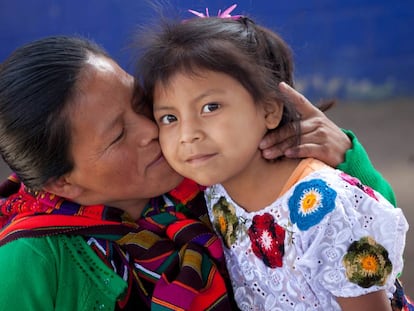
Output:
x,y
210,107
119,137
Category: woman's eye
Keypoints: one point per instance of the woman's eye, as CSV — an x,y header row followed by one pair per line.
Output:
x,y
119,137
211,107
167,119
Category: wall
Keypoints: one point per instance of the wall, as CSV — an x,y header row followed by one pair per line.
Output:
x,y
355,50
346,49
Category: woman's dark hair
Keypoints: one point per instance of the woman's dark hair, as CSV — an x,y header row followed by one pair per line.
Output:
x,y
36,82
253,55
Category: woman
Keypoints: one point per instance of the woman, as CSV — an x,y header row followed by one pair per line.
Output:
x,y
89,227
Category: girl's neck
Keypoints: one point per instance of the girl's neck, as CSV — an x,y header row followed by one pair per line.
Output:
x,y
260,186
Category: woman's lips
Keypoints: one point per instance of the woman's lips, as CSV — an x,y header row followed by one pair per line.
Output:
x,y
158,159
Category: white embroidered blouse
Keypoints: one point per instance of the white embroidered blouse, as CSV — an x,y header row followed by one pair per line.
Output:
x,y
327,235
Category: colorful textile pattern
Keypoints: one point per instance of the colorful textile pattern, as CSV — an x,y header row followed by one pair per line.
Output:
x,y
225,222
367,263
400,301
268,240
169,258
310,202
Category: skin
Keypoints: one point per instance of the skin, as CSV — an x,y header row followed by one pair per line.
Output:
x,y
203,134
376,301
210,128
117,156
127,172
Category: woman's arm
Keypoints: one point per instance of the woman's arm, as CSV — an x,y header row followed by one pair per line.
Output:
x,y
324,140
358,164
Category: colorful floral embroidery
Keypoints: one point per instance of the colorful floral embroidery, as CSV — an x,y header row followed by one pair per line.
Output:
x,y
367,263
310,202
355,182
267,240
225,221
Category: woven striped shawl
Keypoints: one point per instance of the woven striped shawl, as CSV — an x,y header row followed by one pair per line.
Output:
x,y
170,258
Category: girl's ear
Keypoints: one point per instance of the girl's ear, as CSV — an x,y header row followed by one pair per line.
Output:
x,y
63,188
273,114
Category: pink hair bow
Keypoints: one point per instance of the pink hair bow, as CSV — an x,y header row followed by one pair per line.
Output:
x,y
224,14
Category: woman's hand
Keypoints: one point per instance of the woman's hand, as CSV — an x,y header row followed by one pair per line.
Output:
x,y
320,137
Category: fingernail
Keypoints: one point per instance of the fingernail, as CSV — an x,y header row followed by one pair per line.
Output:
x,y
267,154
289,153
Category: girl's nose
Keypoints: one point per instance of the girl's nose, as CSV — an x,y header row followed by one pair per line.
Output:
x,y
190,132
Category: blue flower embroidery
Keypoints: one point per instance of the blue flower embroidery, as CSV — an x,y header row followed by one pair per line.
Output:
x,y
310,202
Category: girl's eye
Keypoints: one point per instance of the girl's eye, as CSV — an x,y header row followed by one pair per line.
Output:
x,y
167,119
211,107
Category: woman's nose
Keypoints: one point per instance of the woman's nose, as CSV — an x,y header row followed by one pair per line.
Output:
x,y
145,130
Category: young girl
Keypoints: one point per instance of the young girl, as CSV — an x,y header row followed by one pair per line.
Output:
x,y
297,234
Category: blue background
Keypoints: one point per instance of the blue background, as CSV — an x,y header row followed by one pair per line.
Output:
x,y
351,49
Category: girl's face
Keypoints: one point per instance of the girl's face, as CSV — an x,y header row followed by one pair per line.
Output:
x,y
210,126
117,156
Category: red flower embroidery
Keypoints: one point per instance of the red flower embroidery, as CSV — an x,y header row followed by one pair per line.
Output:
x,y
267,240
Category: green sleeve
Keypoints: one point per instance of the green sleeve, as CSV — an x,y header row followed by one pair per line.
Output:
x,y
56,273
28,277
358,164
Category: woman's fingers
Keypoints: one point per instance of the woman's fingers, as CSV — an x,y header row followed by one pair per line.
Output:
x,y
320,137
300,102
323,140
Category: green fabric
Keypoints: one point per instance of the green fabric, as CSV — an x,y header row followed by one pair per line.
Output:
x,y
358,164
59,273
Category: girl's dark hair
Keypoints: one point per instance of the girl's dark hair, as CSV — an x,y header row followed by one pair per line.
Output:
x,y
253,55
36,82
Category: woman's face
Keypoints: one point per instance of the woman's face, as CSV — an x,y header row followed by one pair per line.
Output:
x,y
117,156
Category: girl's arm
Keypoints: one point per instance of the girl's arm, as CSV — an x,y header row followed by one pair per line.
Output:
x,y
324,140
376,301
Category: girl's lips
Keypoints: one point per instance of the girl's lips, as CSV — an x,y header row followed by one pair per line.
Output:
x,y
199,159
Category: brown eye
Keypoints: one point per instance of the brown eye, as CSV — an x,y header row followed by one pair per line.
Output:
x,y
211,107
167,119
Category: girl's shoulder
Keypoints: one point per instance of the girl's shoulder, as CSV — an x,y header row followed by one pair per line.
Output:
x,y
342,224
328,192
